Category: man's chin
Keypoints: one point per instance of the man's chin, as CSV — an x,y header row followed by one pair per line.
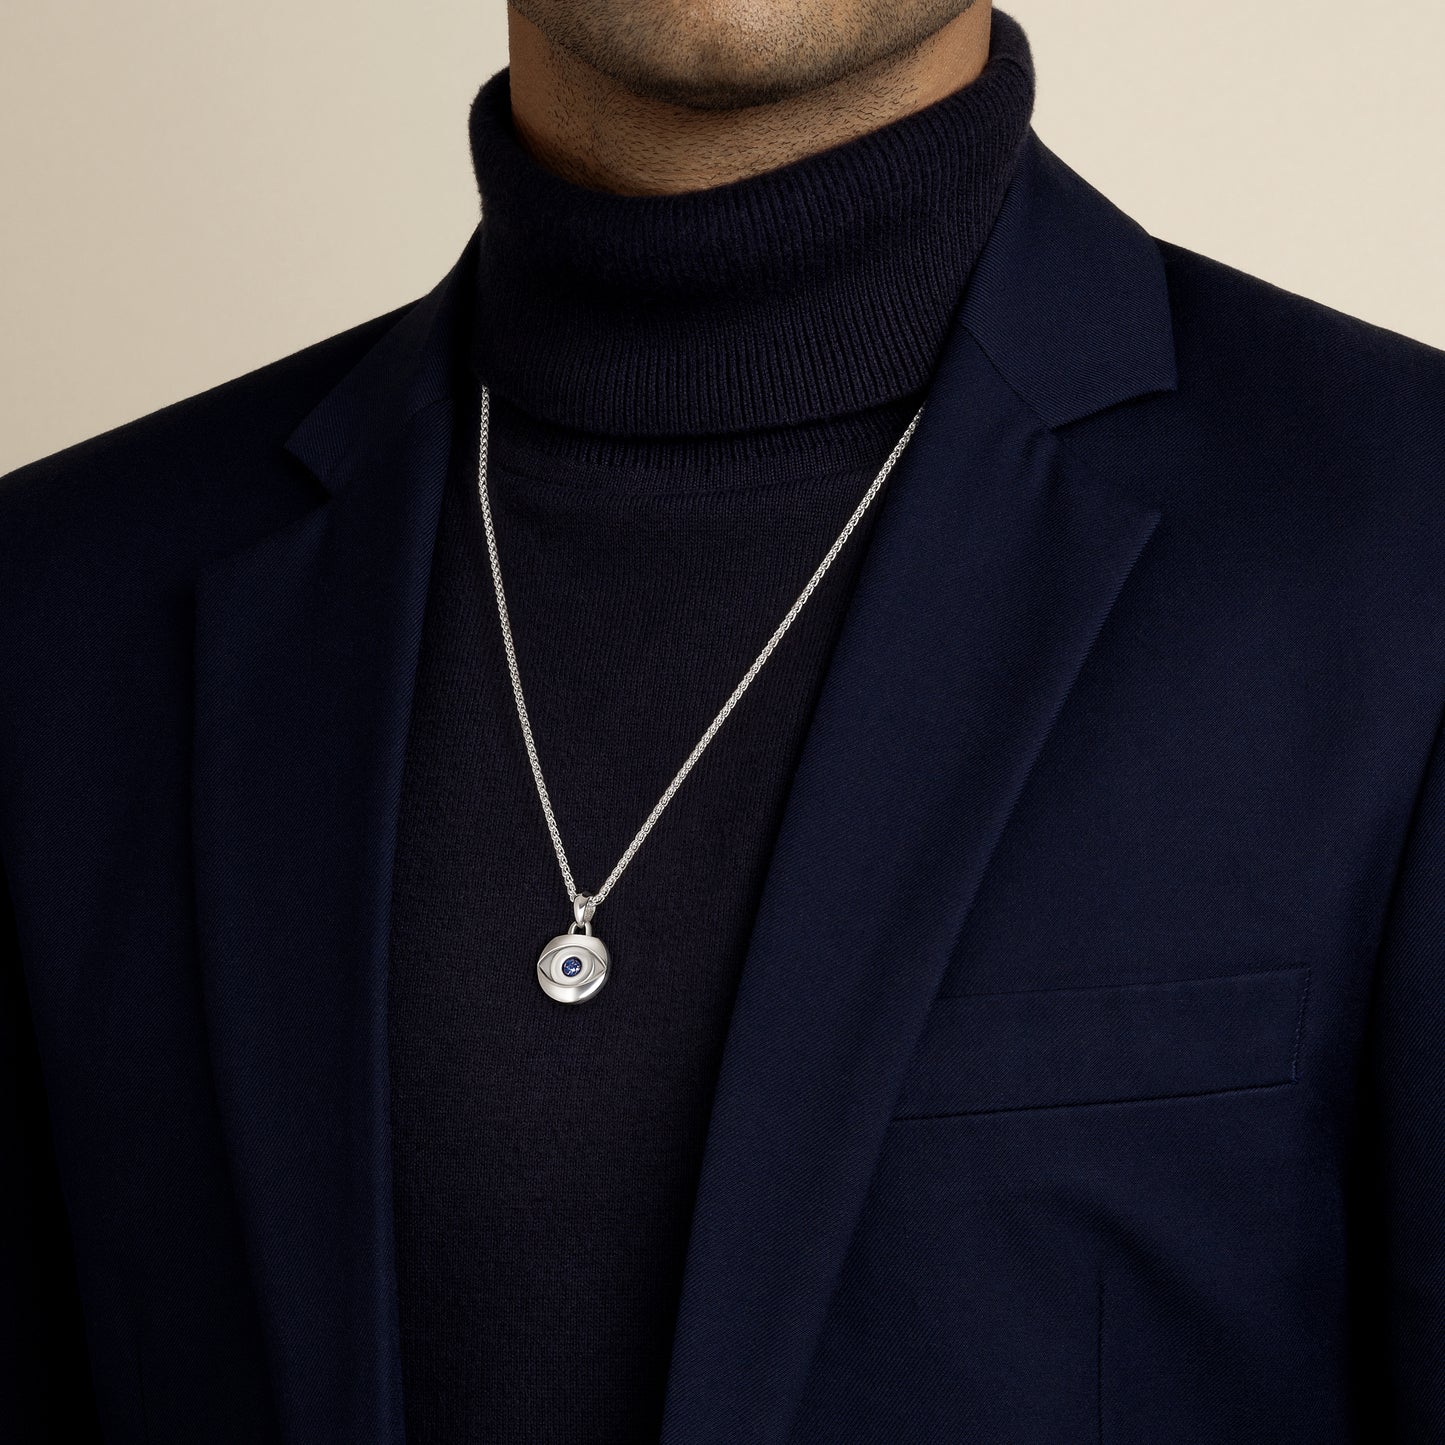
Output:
x,y
731,56
722,76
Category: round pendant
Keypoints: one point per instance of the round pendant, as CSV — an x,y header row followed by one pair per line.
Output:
x,y
573,967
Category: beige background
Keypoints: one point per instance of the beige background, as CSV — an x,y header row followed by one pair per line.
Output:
x,y
190,190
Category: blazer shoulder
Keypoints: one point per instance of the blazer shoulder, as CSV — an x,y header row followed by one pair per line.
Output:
x,y
184,463
1301,434
1275,338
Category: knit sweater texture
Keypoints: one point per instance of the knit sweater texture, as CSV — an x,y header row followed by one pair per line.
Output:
x,y
690,395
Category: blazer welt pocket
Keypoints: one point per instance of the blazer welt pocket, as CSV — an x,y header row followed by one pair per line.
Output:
x,y
983,1053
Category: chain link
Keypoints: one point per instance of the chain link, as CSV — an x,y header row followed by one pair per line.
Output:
x,y
591,901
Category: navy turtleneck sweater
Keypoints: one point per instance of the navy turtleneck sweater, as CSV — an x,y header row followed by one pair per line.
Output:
x,y
691,393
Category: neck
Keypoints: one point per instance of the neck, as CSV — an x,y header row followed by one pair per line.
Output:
x,y
588,128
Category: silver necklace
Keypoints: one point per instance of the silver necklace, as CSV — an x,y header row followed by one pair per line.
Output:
x,y
574,965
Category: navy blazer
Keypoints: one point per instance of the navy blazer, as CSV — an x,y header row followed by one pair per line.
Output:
x,y
1087,1076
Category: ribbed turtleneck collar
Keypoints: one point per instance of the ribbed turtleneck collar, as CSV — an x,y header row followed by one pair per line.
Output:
x,y
814,290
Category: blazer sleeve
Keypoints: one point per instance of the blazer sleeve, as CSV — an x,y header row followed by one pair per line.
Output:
x,y
45,1385
1405,1137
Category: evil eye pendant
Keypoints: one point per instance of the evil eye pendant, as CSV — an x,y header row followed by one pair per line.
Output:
x,y
573,966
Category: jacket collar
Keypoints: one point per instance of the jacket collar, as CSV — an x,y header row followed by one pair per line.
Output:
x,y
992,544
1069,300
411,367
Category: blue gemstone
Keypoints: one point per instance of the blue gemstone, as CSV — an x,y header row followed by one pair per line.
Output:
x,y
571,967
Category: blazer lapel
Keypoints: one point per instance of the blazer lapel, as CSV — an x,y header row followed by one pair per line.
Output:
x,y
306,647
994,564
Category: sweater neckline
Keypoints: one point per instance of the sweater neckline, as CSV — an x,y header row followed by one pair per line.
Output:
x,y
819,289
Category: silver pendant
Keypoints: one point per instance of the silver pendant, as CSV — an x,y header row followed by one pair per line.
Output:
x,y
573,966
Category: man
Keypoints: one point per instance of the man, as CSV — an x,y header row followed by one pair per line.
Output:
x,y
1023,1021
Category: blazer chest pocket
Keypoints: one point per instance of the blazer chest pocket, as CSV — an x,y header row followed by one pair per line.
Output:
x,y
983,1053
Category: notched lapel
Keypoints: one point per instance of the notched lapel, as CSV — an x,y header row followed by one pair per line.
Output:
x,y
995,562
305,658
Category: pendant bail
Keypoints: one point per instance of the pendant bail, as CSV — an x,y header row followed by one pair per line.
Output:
x,y
583,907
